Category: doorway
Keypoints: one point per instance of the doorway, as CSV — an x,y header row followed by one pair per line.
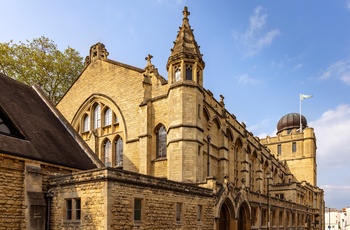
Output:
x,y
243,218
224,221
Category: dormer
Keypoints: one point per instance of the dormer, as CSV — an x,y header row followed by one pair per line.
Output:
x,y
185,62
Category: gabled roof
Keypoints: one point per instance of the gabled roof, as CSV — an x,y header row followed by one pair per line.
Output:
x,y
41,133
185,45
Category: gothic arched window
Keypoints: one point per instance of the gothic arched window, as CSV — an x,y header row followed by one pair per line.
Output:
x,y
97,116
86,125
119,152
161,142
107,150
188,72
108,117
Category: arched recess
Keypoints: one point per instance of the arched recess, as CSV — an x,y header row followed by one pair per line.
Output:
x,y
253,171
215,134
226,215
239,156
206,114
206,118
231,155
215,144
244,216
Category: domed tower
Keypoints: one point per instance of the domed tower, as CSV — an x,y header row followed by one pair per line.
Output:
x,y
290,122
185,75
295,143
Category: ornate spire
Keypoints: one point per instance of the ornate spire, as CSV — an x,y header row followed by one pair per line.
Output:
x,y
185,45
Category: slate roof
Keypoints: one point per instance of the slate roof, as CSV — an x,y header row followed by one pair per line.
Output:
x,y
41,135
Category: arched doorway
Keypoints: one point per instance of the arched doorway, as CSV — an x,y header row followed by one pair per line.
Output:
x,y
244,218
224,221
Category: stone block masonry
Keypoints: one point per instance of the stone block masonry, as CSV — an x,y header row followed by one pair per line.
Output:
x,y
108,202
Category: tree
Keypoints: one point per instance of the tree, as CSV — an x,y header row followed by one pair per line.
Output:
x,y
40,62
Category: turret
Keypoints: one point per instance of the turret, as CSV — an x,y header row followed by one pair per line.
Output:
x,y
185,134
185,62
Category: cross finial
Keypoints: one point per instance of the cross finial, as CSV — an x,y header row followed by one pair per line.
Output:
x,y
148,58
186,12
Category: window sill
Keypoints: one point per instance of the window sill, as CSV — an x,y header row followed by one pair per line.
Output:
x,y
72,222
138,222
160,159
178,222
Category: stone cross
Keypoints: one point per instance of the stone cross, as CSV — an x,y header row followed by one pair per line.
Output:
x,y
148,58
185,12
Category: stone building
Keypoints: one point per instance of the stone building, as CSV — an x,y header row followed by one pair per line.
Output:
x,y
50,178
35,143
174,131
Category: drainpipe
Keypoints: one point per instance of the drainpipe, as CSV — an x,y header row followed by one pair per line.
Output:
x,y
208,163
49,195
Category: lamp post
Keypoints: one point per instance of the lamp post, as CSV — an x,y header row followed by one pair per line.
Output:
x,y
268,177
208,163
329,217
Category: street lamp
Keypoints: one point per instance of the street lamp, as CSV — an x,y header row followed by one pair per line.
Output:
x,y
268,177
329,217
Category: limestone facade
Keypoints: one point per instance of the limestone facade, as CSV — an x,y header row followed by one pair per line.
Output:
x,y
108,198
24,187
136,120
298,150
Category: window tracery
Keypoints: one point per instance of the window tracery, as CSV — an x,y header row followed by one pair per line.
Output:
x,y
161,142
99,123
107,153
97,116
119,152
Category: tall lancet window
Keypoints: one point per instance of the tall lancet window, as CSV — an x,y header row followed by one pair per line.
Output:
x,y
97,116
108,117
107,150
86,125
119,152
161,142
177,72
188,72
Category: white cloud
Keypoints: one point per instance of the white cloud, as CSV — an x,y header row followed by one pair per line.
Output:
x,y
332,131
339,70
255,38
348,4
298,66
333,134
336,187
245,79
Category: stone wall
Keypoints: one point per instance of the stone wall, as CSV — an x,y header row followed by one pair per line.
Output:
x,y
12,209
23,184
107,201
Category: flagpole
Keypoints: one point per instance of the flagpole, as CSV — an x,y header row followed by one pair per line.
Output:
x,y
302,97
301,127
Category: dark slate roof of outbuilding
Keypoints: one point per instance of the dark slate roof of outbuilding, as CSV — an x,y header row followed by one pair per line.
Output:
x,y
43,136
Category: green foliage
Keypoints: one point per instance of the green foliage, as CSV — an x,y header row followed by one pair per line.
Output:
x,y
40,63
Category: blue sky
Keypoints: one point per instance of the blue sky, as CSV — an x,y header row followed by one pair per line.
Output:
x,y
259,54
